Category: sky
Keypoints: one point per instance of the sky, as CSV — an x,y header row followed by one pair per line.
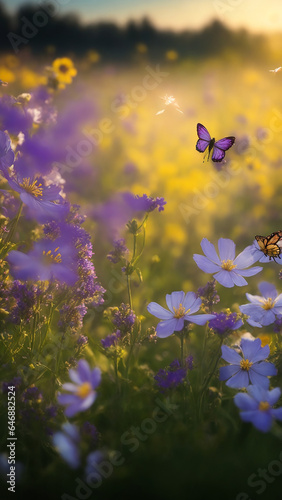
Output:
x,y
255,15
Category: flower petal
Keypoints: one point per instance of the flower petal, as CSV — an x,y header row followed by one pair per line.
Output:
x,y
245,402
267,290
257,379
264,368
250,348
246,258
199,319
226,248
230,355
83,370
96,377
205,264
228,371
276,413
240,380
274,395
166,328
223,277
250,272
192,302
237,279
210,251
159,311
177,298
260,355
262,420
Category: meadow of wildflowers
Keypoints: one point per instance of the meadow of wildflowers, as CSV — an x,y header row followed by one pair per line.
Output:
x,y
128,349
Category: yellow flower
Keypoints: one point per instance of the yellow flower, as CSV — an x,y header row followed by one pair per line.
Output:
x,y
93,56
171,55
141,48
265,339
64,70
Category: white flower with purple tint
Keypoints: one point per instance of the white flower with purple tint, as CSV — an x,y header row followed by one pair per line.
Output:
x,y
181,307
262,311
82,390
229,271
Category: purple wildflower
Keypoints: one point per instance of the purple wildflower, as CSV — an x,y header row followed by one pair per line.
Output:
x,y
48,260
229,271
26,296
257,406
82,340
44,202
124,319
262,311
71,316
67,444
209,295
224,323
82,390
16,382
181,307
119,251
248,368
144,203
111,340
174,375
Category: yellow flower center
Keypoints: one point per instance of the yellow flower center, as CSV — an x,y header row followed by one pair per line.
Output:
x,y
63,68
52,258
228,265
84,390
180,312
246,364
268,304
32,188
264,406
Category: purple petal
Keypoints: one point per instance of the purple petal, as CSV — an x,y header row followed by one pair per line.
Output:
x,y
199,319
262,420
226,248
246,258
177,298
96,377
268,318
192,302
88,401
276,413
74,376
166,328
250,348
69,387
83,370
66,399
237,279
205,264
258,393
274,395
209,250
224,278
245,402
263,353
264,368
238,381
257,379
230,355
250,272
267,290
159,311
228,371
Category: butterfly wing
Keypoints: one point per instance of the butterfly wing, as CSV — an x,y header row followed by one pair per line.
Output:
x,y
270,245
204,138
220,147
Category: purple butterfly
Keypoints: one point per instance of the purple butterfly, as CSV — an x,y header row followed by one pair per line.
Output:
x,y
218,147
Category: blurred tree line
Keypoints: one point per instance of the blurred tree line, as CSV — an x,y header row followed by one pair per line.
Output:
x,y
42,26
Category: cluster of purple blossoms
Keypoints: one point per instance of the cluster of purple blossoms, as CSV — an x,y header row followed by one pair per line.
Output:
x,y
209,295
16,382
25,296
35,411
124,319
174,375
144,203
72,316
225,323
111,340
119,252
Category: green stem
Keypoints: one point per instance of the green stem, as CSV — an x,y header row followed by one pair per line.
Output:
x,y
14,224
181,349
128,279
209,376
